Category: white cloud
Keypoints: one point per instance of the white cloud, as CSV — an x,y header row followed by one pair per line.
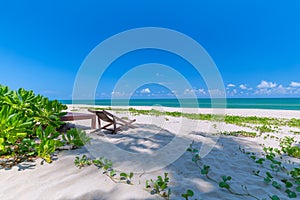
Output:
x,y
189,91
174,91
115,93
119,94
280,89
230,85
103,95
265,84
200,91
263,91
216,93
146,91
295,84
171,94
243,87
231,92
269,88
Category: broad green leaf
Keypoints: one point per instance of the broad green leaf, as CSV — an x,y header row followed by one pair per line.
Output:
x,y
276,185
269,175
190,193
267,179
274,197
288,184
130,175
224,185
123,175
291,194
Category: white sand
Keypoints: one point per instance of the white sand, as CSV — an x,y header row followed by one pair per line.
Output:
x,y
155,146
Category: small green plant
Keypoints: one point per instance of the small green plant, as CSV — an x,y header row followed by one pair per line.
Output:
x,y
265,129
159,186
270,155
294,122
288,184
126,177
269,179
240,133
295,132
290,193
223,183
274,197
196,157
205,169
105,165
260,161
76,137
83,161
189,193
295,173
48,143
286,147
45,149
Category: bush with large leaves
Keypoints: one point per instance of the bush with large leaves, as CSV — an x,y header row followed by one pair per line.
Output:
x,y
36,107
28,123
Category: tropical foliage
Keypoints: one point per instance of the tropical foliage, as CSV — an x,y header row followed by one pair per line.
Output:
x,y
29,123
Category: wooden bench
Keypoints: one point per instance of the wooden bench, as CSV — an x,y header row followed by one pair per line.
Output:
x,y
71,116
112,120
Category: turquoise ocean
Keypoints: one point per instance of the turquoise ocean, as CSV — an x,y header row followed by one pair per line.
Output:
x,y
252,103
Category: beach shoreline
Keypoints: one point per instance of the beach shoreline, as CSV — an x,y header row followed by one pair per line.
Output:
x,y
288,114
231,103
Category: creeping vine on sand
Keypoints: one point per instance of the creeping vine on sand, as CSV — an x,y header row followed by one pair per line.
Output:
x,y
224,182
106,166
271,163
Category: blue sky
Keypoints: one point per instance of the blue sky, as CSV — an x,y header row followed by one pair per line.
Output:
x,y
255,44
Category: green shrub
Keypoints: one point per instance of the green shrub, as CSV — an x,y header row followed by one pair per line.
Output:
x,y
28,123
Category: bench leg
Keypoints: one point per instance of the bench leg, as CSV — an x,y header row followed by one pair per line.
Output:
x,y
93,125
